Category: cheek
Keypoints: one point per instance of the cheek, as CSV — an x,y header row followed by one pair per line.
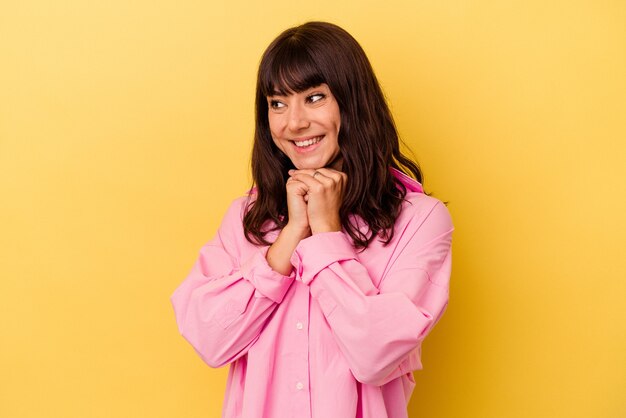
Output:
x,y
275,124
273,131
335,116
278,144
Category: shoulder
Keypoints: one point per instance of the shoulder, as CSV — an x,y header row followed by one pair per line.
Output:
x,y
418,206
421,211
231,233
237,208
423,232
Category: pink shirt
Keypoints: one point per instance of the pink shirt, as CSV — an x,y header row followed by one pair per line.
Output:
x,y
339,337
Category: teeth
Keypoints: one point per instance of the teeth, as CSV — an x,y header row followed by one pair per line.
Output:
x,y
308,142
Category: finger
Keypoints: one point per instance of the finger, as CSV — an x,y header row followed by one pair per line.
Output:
x,y
298,187
292,180
337,176
309,171
316,174
312,183
329,178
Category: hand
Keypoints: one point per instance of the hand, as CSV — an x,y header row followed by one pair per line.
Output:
x,y
279,254
324,195
297,207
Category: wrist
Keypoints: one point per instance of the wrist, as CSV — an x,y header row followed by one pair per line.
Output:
x,y
295,233
277,262
279,253
326,227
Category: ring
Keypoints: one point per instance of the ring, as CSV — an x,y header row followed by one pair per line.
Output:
x,y
316,173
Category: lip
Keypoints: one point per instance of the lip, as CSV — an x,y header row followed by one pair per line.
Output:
x,y
305,138
312,147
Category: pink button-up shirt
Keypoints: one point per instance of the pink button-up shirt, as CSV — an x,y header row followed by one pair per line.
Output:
x,y
339,337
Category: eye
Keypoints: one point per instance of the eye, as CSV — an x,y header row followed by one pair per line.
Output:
x,y
275,104
315,97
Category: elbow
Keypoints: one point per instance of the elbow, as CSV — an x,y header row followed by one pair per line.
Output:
x,y
204,341
201,330
369,377
216,346
210,353
376,375
215,330
388,360
213,361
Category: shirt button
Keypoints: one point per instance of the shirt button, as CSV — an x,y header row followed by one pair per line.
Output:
x,y
299,325
299,385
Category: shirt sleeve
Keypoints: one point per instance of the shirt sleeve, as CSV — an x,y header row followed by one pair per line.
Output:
x,y
223,304
380,330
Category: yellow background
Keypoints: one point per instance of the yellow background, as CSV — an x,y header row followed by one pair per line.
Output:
x,y
125,131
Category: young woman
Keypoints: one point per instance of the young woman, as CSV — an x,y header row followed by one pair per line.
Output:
x,y
322,282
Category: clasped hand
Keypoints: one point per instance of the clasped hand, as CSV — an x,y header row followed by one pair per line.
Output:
x,y
314,200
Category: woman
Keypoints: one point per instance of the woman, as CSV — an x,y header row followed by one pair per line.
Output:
x,y
321,284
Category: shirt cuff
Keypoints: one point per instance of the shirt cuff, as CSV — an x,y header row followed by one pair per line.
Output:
x,y
266,280
315,253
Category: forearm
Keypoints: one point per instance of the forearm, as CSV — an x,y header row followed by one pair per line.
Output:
x,y
224,303
375,332
279,254
378,327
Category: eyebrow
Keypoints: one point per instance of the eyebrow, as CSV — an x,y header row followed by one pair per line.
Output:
x,y
285,94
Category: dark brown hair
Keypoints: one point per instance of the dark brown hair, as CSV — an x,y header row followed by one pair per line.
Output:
x,y
306,56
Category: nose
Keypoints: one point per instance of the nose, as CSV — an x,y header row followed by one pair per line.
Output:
x,y
298,119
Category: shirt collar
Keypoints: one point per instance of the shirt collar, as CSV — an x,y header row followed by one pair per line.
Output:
x,y
410,183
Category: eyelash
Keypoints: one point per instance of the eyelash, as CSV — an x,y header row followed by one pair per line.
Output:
x,y
321,95
275,104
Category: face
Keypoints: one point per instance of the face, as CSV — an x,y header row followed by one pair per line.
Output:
x,y
305,126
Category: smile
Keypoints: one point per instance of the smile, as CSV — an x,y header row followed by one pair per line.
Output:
x,y
308,142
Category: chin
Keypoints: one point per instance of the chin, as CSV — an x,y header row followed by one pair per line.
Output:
x,y
309,165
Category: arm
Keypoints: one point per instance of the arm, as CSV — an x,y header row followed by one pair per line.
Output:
x,y
223,304
380,331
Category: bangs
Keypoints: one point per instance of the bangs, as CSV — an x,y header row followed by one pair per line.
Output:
x,y
289,69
